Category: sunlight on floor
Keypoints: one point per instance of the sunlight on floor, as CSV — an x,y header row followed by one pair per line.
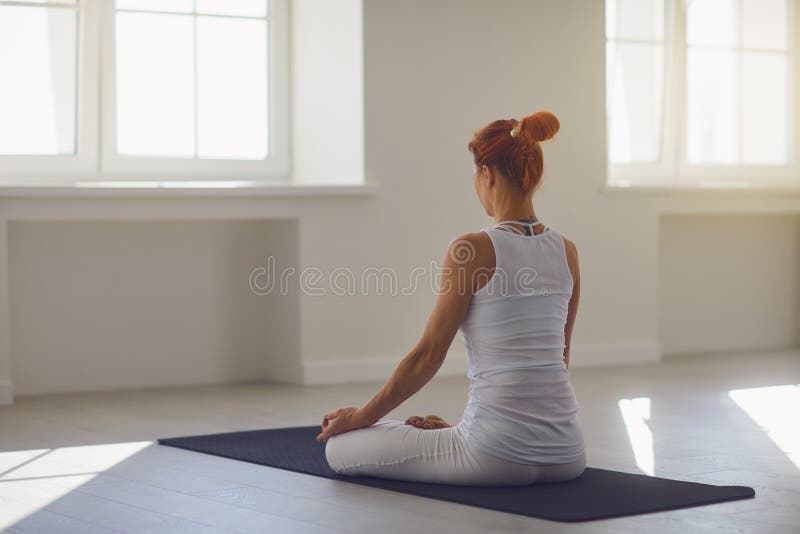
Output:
x,y
12,459
32,479
636,413
775,409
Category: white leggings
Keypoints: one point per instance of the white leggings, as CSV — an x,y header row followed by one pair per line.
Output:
x,y
392,449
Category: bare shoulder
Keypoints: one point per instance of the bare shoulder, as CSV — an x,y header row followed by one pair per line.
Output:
x,y
572,257
570,246
474,254
474,249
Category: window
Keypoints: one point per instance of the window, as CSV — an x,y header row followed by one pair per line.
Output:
x,y
46,121
701,92
144,89
38,104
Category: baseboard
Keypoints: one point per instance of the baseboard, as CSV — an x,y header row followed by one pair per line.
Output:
x,y
380,369
6,393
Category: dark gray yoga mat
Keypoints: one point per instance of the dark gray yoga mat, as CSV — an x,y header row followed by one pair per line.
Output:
x,y
597,494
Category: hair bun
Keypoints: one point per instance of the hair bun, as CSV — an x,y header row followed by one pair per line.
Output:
x,y
538,126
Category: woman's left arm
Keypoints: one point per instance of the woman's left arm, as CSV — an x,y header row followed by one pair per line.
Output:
x,y
421,364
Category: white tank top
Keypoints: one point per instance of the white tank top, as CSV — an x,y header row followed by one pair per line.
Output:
x,y
521,406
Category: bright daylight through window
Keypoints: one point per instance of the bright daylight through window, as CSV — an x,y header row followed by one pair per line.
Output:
x,y
699,92
179,91
143,89
38,66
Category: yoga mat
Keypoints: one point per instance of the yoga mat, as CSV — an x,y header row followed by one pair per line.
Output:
x,y
597,494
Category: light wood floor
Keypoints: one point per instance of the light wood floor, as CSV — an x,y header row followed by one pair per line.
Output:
x,y
88,463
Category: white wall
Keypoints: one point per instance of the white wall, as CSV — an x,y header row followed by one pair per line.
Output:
x,y
327,80
433,73
119,304
729,282
6,391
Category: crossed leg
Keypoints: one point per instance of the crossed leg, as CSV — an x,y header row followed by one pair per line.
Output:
x,y
394,450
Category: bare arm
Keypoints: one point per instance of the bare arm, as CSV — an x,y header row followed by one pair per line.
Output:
x,y
572,260
427,356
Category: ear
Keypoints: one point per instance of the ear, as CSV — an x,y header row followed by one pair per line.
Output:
x,y
488,172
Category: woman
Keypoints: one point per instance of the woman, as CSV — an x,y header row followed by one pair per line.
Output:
x,y
513,291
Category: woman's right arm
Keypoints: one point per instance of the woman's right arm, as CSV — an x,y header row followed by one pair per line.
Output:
x,y
572,260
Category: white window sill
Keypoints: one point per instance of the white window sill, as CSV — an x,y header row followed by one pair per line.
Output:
x,y
181,188
703,189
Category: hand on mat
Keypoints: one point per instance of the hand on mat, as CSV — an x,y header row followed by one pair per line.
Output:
x,y
429,422
341,421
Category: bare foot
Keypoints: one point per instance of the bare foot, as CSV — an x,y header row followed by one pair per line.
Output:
x,y
429,422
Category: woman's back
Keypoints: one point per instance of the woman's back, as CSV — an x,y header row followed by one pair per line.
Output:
x,y
522,407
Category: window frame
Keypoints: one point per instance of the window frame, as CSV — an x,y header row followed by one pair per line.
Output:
x,y
274,168
84,161
673,169
95,158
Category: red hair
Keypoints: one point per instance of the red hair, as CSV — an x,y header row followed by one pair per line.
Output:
x,y
513,148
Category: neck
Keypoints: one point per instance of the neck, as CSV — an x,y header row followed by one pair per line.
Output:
x,y
516,215
508,206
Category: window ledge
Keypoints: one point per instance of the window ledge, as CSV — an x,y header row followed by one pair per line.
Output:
x,y
715,188
181,188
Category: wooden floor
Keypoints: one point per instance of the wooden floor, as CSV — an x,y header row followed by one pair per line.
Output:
x,y
88,463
